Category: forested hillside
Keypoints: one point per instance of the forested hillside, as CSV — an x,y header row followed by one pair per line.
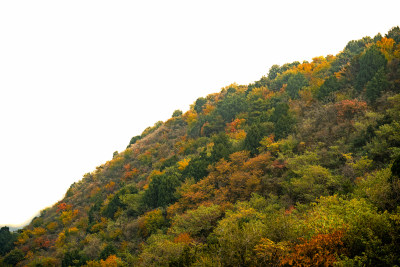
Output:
x,y
299,168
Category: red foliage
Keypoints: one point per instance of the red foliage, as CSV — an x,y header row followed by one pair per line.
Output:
x,y
63,206
347,109
43,242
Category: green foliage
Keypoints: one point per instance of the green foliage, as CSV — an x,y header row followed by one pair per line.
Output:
x,y
198,222
7,240
283,120
169,162
394,33
161,191
115,202
197,167
295,83
328,88
134,140
367,232
73,258
222,147
161,250
395,169
370,63
254,136
198,106
13,257
231,105
237,234
376,86
177,113
377,189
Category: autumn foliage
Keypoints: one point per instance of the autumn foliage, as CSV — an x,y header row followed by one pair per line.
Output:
x,y
299,168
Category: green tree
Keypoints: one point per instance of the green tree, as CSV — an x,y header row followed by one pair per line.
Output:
x,y
198,106
197,167
107,251
370,62
327,89
376,86
222,147
394,33
232,105
14,257
295,83
255,134
161,190
7,240
177,113
198,222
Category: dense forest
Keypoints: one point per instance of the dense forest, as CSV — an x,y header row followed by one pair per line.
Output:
x,y
300,168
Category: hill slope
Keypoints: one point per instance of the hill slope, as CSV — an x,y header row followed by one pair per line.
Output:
x,y
299,168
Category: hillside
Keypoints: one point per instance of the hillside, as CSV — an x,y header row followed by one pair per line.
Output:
x,y
299,168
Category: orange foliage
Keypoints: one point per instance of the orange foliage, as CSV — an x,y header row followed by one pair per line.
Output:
x,y
208,108
227,182
63,206
387,46
183,238
321,250
234,125
129,172
73,230
111,261
346,109
110,186
42,242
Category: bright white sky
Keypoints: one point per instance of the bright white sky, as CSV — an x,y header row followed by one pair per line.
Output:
x,y
78,79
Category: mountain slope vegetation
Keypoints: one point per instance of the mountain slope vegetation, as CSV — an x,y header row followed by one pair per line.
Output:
x,y
299,168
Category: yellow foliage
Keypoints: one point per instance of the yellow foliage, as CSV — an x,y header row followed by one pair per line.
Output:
x,y
270,252
38,231
51,226
387,46
60,240
190,117
183,164
29,255
98,226
396,52
208,108
238,135
267,141
68,215
155,173
23,237
72,230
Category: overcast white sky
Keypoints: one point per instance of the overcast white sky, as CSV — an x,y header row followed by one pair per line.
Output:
x,y
78,79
